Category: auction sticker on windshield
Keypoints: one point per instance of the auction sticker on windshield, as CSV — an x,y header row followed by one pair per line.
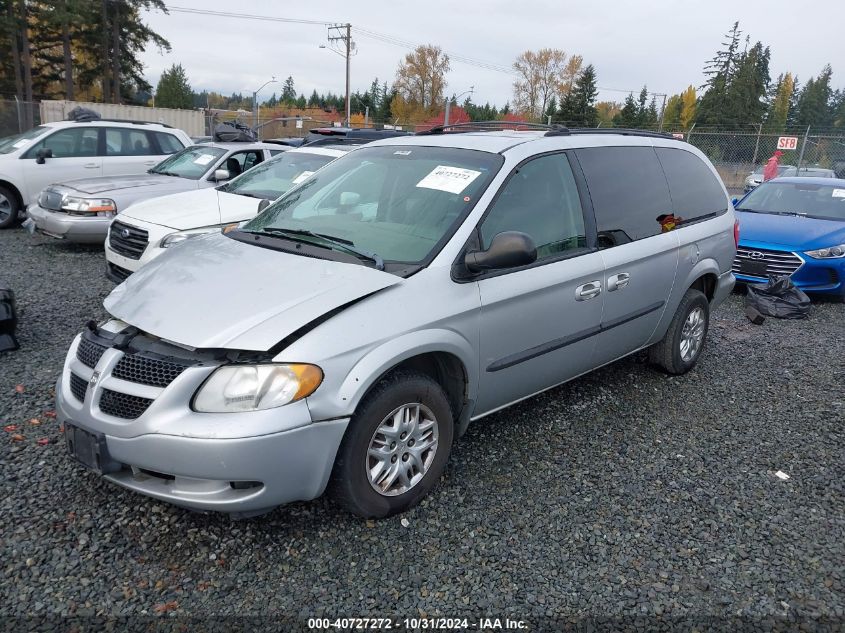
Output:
x,y
204,159
20,143
451,179
839,193
301,177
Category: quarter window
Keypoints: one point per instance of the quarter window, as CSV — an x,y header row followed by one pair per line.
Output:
x,y
541,200
629,193
69,143
168,143
694,189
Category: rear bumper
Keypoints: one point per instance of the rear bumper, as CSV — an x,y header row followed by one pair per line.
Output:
x,y
74,228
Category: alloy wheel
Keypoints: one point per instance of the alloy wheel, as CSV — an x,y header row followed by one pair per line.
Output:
x,y
692,334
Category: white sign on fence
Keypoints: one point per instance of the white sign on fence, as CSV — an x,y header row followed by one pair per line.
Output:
x,y
299,124
678,136
787,142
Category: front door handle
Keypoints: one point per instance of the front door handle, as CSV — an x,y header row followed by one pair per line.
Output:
x,y
91,165
588,290
618,281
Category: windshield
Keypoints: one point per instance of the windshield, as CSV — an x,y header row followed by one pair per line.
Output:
x,y
395,202
818,201
191,162
18,141
271,179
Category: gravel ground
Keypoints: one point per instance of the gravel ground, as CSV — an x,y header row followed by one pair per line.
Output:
x,y
624,493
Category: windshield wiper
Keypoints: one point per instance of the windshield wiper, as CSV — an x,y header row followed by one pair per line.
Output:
x,y
164,173
339,242
795,213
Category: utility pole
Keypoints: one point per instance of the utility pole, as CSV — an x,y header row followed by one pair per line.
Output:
x,y
801,155
662,113
344,34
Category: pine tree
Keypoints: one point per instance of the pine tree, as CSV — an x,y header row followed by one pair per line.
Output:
x,y
288,92
579,106
629,114
672,113
816,101
719,72
173,89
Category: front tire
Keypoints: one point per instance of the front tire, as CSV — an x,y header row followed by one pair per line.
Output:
x,y
396,446
9,208
680,348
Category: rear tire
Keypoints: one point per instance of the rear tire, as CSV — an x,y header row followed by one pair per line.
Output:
x,y
681,347
9,208
396,446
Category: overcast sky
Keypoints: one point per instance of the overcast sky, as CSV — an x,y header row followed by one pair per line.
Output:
x,y
661,43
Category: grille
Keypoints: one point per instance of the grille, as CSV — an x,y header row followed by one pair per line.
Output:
x,y
777,262
147,371
122,405
89,353
128,240
119,272
78,386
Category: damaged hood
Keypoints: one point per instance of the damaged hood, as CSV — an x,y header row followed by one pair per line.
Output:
x,y
796,232
115,184
216,292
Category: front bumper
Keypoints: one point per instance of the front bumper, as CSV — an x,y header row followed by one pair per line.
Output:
x,y
242,463
817,276
63,226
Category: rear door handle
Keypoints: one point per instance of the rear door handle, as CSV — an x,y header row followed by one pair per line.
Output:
x,y
618,281
588,290
91,165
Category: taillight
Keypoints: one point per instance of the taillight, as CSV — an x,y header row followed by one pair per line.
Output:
x,y
736,232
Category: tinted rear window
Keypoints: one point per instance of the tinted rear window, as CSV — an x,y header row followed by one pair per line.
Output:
x,y
628,190
694,189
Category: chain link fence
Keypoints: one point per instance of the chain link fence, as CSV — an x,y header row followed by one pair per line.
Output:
x,y
18,116
738,153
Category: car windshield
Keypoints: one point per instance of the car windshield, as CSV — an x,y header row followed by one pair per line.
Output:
x,y
826,202
10,144
393,201
191,162
272,178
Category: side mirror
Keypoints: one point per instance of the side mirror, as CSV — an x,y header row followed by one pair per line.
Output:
x,y
263,205
734,201
507,250
221,174
42,154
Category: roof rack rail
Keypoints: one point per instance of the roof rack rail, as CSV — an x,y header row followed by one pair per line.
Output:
x,y
489,126
624,131
86,120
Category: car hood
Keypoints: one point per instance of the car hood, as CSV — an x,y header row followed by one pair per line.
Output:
x,y
798,233
105,184
194,209
216,292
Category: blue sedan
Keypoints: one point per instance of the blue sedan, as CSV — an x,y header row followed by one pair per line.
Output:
x,y
795,227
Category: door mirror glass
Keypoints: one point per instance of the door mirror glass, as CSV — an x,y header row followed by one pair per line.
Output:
x,y
42,154
508,249
221,174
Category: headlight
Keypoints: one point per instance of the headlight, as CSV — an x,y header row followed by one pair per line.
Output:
x,y
102,207
175,238
234,388
831,252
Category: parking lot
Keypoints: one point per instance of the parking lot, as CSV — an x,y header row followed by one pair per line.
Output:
x,y
625,492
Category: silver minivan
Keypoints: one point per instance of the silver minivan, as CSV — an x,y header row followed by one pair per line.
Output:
x,y
348,334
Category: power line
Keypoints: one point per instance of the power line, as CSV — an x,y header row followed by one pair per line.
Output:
x,y
375,35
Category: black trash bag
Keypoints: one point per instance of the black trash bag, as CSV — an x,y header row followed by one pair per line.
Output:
x,y
233,132
778,298
83,115
8,321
